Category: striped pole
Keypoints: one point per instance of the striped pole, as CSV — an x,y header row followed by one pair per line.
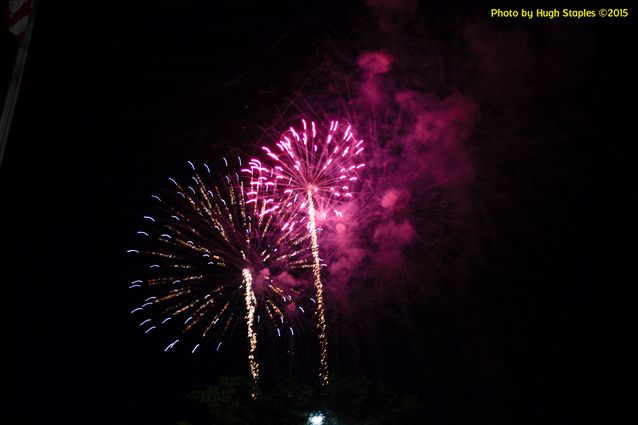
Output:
x,y
14,85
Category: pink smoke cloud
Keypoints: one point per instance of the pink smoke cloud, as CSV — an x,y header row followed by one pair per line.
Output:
x,y
350,255
348,260
390,238
422,143
374,64
261,278
286,279
395,199
436,142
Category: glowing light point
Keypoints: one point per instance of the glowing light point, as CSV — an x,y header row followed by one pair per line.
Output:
x,y
316,419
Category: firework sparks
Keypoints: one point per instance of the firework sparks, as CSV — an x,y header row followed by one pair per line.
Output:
x,y
251,305
216,250
316,273
321,165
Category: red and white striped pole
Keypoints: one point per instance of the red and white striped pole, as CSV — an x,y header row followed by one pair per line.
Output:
x,y
21,18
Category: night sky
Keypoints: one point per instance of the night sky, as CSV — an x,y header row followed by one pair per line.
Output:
x,y
501,323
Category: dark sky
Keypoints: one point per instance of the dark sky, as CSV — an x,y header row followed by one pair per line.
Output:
x,y
116,95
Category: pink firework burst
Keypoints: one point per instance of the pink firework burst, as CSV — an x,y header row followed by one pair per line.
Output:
x,y
323,159
320,164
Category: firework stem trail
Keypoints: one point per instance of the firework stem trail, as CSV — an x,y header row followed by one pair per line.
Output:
x,y
316,271
251,304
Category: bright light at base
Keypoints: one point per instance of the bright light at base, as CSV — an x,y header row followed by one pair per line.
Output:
x,y
315,419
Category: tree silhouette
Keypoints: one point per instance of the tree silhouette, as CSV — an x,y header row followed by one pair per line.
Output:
x,y
344,401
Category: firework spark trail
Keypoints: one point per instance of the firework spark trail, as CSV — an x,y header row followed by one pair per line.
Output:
x,y
321,170
213,245
251,304
316,272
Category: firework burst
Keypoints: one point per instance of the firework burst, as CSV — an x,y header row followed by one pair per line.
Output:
x,y
217,250
319,164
